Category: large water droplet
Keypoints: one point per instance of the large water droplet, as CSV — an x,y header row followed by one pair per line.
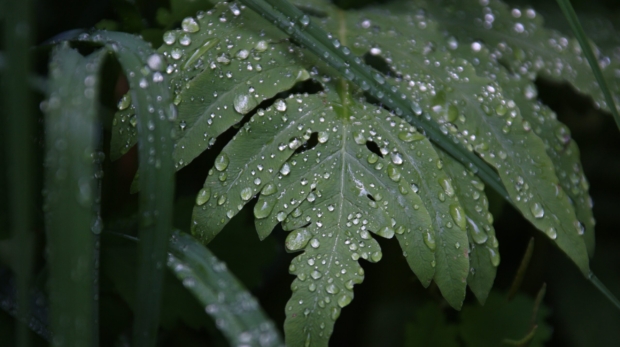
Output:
x,y
203,196
429,240
190,25
269,189
386,232
477,234
124,102
263,208
447,186
537,210
344,300
552,233
221,162
393,173
280,105
297,239
244,103
246,193
494,255
458,215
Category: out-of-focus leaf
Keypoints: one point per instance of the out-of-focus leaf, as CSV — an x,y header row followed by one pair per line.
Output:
x,y
499,320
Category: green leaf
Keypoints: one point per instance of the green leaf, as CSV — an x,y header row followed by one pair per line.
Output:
x,y
476,110
236,313
499,320
483,245
151,99
519,39
220,70
584,43
431,329
71,133
332,195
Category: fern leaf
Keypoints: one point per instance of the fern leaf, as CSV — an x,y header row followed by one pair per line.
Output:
x,y
333,168
560,147
518,38
218,74
483,245
475,109
333,195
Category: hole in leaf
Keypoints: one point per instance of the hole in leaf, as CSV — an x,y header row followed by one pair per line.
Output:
x,y
310,144
373,147
380,64
370,197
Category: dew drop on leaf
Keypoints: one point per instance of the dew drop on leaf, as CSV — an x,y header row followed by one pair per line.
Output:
x,y
458,215
429,240
203,196
190,25
221,162
124,102
269,189
297,239
244,103
552,233
263,208
246,193
280,105
537,210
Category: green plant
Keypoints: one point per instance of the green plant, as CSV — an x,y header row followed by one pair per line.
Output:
x,y
391,125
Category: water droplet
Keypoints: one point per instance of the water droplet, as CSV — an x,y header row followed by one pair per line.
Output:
x,y
447,186
315,243
280,105
246,193
458,215
170,37
396,158
304,20
155,62
221,200
372,158
124,102
537,210
429,240
552,233
269,189
221,162
359,138
190,25
263,208
393,173
286,169
242,54
261,46
323,136
297,239
386,232
332,289
203,196
244,103
344,300
494,255
477,234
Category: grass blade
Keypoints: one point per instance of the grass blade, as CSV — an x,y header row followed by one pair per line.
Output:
x,y
154,109
71,139
235,311
20,132
575,25
295,23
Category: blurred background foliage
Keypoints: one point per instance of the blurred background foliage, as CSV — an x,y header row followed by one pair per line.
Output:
x,y
571,314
